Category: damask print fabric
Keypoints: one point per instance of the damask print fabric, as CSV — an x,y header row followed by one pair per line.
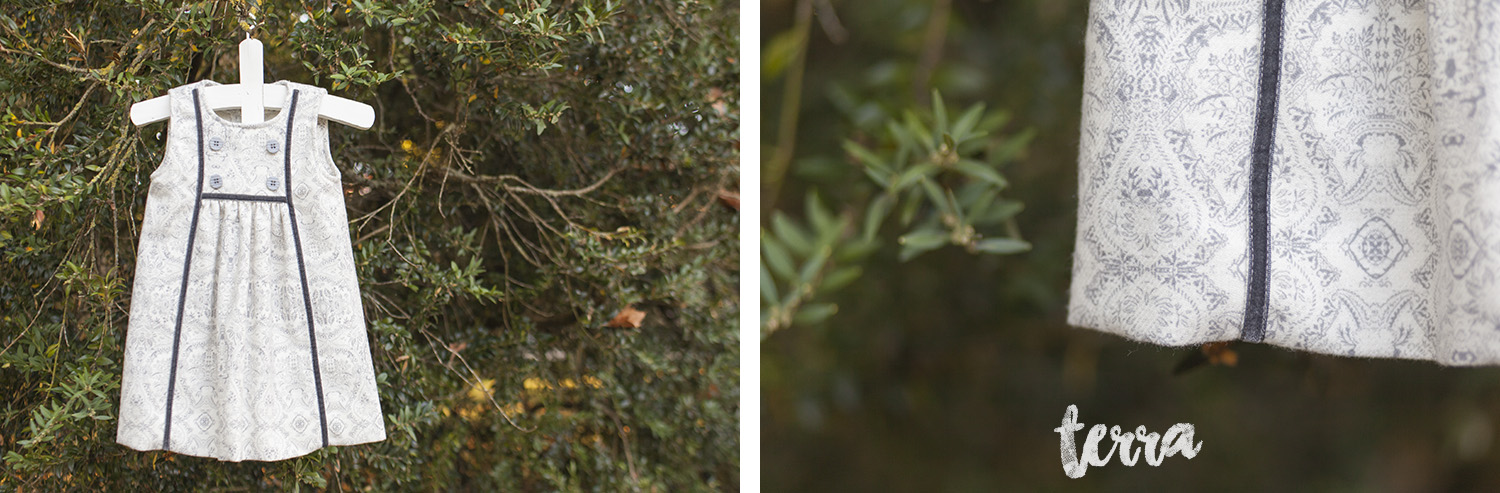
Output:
x,y
1363,135
246,338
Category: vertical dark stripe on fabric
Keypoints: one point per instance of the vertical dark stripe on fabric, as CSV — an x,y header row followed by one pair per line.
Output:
x,y
187,265
1256,301
291,211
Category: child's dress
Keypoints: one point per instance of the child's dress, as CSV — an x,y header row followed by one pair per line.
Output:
x,y
246,338
1320,175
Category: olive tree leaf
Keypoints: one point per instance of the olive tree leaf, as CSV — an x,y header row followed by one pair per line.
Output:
x,y
921,241
1001,246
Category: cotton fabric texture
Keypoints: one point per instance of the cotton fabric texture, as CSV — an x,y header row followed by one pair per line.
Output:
x,y
1373,129
246,338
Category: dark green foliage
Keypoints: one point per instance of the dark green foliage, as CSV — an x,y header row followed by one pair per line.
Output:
x,y
934,176
536,166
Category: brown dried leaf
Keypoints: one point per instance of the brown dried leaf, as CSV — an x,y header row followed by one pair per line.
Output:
x,y
76,43
628,318
36,219
716,100
729,199
1219,353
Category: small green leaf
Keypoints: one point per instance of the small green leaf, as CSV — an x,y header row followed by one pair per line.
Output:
x,y
966,122
813,313
981,204
919,131
869,159
1002,210
903,137
856,250
927,237
939,112
975,169
815,264
839,278
913,175
314,479
1002,246
776,257
883,181
936,196
911,203
794,236
767,285
952,205
875,214
826,226
920,241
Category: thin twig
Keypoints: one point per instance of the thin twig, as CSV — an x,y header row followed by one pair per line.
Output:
x,y
477,378
791,106
532,189
829,20
69,68
372,234
932,49
624,443
425,158
51,132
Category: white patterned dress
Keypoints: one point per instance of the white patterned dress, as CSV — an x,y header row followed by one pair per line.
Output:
x,y
246,338
1314,174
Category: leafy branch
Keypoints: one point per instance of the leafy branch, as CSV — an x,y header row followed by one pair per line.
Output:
x,y
938,180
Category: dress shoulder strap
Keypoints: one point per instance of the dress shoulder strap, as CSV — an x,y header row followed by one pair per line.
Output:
x,y
308,137
309,103
184,110
181,149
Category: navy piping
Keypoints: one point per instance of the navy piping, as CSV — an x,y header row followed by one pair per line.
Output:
x,y
291,211
1256,301
235,196
187,264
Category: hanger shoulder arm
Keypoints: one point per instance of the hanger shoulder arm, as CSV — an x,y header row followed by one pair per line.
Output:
x,y
348,112
160,108
150,111
342,110
335,108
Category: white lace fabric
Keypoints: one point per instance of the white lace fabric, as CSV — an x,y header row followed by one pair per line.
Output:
x,y
1384,189
243,381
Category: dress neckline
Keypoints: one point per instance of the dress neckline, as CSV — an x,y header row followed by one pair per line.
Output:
x,y
280,114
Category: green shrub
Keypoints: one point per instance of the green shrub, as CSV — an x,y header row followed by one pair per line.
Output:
x,y
536,168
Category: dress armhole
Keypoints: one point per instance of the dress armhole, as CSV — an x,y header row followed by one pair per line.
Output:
x,y
326,166
180,136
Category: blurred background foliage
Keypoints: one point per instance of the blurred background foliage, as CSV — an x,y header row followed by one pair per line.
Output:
x,y
933,176
949,370
544,215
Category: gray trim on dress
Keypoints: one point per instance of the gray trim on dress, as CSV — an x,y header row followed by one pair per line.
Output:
x,y
312,336
187,265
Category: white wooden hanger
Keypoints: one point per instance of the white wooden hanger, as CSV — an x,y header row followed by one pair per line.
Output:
x,y
253,96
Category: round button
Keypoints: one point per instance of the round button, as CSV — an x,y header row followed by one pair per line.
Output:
x,y
215,143
273,146
215,181
273,183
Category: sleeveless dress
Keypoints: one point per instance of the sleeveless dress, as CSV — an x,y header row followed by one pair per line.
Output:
x,y
1315,174
246,338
